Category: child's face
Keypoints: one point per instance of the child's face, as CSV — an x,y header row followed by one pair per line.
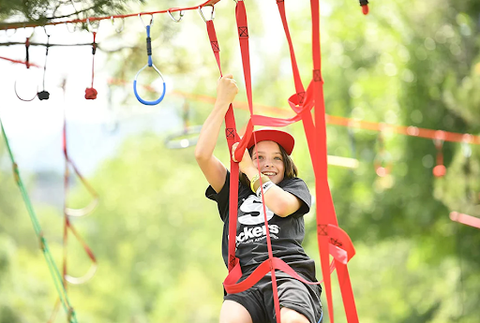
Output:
x,y
270,159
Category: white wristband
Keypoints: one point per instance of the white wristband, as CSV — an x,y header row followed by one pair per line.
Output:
x,y
266,186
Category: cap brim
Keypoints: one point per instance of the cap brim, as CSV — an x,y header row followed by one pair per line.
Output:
x,y
282,138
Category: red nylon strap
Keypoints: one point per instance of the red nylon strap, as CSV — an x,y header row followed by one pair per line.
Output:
x,y
325,209
465,219
340,247
332,240
242,25
232,137
212,35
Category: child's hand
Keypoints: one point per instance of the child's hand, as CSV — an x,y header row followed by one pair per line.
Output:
x,y
246,163
226,89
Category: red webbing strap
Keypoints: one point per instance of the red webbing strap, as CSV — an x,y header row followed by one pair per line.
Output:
x,y
212,36
296,74
232,137
298,99
329,240
341,249
332,240
465,219
326,217
242,25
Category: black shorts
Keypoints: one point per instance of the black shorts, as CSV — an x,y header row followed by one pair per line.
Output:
x,y
293,294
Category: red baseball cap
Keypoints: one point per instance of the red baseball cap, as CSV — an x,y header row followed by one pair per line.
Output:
x,y
282,138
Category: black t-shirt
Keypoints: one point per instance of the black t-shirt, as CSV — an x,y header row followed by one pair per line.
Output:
x,y
286,233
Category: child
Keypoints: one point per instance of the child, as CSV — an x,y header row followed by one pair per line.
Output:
x,y
287,199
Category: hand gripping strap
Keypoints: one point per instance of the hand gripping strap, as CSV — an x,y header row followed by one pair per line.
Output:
x,y
232,137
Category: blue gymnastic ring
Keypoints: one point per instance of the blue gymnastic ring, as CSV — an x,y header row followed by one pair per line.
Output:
x,y
138,96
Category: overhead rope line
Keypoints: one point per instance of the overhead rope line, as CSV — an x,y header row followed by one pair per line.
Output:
x,y
16,25
45,44
55,273
412,131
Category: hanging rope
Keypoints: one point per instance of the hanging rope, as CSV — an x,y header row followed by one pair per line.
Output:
x,y
27,64
54,272
91,93
44,95
68,226
439,170
149,64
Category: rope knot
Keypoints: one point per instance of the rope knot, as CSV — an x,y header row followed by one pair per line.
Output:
x,y
90,93
364,5
43,95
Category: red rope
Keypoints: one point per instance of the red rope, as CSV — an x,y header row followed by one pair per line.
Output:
x,y
92,19
411,131
91,93
19,62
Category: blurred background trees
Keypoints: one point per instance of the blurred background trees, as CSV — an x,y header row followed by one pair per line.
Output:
x,y
157,238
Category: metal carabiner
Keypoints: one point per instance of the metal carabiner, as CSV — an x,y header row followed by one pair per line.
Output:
x,y
151,20
149,64
91,28
173,18
27,59
112,19
212,15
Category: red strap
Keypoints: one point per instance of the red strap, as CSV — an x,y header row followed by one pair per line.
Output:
x,y
91,93
232,137
212,35
242,25
465,219
332,240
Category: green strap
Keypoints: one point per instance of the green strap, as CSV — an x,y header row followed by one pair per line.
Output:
x,y
57,277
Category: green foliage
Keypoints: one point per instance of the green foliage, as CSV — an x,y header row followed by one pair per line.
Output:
x,y
44,11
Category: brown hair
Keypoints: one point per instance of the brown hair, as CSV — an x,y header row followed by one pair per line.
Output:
x,y
291,170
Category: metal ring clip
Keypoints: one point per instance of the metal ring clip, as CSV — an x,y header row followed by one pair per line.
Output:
x,y
112,19
173,18
212,15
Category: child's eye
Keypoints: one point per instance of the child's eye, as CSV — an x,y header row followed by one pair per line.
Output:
x,y
278,158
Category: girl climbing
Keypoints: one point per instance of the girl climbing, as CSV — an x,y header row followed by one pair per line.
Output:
x,y
286,198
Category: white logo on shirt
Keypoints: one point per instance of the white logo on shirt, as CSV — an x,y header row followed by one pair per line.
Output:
x,y
252,211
